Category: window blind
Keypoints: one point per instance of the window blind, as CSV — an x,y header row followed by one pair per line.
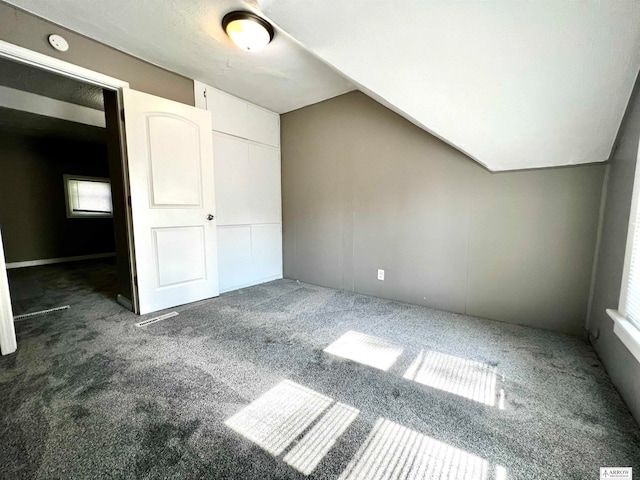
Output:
x,y
87,196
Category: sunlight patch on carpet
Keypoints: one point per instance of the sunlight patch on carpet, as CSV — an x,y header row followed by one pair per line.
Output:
x,y
365,349
466,378
394,451
279,416
316,443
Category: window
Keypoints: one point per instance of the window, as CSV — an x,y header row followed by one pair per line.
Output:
x,y
627,317
87,197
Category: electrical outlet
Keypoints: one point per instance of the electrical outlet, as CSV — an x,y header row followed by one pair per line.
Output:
x,y
380,274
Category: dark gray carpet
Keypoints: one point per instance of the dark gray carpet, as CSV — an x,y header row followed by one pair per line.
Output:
x,y
240,387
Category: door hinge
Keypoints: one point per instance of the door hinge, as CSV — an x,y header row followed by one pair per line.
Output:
x,y
129,200
204,93
135,280
122,114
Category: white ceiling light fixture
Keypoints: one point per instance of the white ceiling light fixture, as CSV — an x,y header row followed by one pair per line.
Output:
x,y
58,42
247,31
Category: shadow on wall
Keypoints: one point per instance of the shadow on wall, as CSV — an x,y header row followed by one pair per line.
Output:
x,y
364,189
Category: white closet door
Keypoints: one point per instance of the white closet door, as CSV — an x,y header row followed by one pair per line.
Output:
x,y
265,201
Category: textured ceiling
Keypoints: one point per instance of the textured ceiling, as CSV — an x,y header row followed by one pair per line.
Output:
x,y
25,123
186,36
514,84
40,82
33,80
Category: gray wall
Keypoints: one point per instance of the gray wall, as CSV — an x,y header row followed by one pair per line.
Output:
x,y
623,368
31,32
365,189
33,214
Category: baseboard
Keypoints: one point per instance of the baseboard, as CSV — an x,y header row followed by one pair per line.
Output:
x,y
49,261
125,302
251,284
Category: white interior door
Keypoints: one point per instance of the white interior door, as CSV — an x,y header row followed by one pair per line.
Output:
x,y
170,157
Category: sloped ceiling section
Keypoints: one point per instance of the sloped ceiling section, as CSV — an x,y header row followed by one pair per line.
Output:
x,y
514,84
186,37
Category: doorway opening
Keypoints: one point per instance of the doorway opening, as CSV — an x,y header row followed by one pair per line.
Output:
x,y
161,180
63,214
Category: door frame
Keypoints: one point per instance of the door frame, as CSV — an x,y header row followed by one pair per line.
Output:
x,y
44,62
8,343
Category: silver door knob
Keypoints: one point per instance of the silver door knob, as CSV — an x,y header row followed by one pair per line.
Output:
x,y
210,217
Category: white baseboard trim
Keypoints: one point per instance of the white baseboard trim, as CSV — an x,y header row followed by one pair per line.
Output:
x,y
251,284
49,261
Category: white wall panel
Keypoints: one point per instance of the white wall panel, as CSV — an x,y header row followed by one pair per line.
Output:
x,y
263,126
229,114
234,256
266,247
231,164
265,200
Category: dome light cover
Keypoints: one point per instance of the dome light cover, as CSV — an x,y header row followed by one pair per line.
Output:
x,y
247,31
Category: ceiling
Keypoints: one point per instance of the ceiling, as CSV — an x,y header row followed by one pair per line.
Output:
x,y
46,84
25,123
185,36
515,85
34,80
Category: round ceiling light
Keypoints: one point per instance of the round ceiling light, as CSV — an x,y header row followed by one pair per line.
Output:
x,y
247,31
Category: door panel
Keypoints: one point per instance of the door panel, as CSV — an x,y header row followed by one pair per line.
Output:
x,y
170,154
174,183
180,255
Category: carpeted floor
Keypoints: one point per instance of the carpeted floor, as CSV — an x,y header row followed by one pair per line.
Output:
x,y
241,387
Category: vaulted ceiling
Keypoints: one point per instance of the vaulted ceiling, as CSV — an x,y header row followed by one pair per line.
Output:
x,y
513,84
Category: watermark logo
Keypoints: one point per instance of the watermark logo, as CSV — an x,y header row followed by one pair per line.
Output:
x,y
615,472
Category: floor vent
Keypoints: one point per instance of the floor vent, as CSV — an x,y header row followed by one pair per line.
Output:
x,y
41,312
144,323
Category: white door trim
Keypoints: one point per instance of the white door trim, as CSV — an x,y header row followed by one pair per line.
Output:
x,y
8,342
45,62
50,107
